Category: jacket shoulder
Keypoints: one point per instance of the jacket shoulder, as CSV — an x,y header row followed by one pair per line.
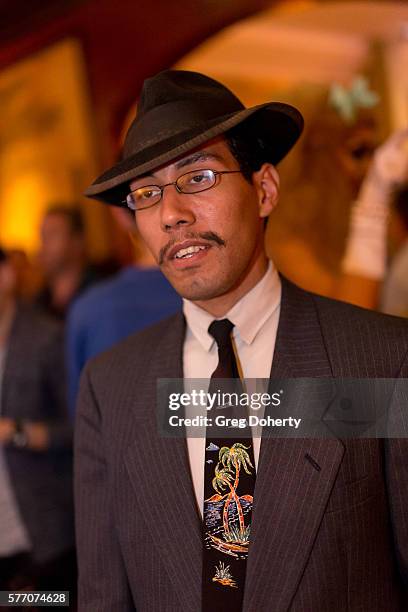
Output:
x,y
333,310
380,341
343,315
357,341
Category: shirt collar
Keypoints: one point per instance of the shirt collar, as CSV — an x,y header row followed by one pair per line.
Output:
x,y
248,315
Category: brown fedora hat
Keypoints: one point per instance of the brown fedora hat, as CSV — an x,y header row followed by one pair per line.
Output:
x,y
178,111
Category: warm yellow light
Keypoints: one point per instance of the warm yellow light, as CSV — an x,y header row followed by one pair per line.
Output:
x,y
47,155
21,210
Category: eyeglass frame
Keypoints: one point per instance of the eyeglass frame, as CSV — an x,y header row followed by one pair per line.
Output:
x,y
162,187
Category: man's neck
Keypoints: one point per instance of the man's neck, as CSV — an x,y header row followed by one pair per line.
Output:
x,y
64,286
220,305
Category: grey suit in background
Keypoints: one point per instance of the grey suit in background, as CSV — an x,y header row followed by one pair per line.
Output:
x,y
34,389
333,539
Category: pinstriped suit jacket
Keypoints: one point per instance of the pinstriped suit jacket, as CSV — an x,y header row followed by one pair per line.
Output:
x,y
330,540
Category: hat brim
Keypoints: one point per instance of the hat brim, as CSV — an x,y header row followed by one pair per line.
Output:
x,y
279,124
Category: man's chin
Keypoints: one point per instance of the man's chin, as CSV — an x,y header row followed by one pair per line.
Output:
x,y
199,284
199,291
195,295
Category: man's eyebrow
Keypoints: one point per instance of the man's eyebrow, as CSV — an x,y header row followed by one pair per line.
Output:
x,y
143,176
191,159
198,157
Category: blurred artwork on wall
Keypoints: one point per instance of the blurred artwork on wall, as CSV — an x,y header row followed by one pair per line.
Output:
x,y
47,150
296,52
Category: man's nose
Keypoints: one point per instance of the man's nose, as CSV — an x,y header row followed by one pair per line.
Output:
x,y
175,209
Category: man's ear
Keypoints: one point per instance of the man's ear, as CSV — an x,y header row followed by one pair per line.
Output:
x,y
266,182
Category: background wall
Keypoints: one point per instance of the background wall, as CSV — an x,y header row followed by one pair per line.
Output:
x,y
295,52
120,43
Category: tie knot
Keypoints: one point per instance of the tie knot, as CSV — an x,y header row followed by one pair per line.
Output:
x,y
220,331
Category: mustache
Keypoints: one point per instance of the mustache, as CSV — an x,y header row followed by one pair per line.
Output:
x,y
208,236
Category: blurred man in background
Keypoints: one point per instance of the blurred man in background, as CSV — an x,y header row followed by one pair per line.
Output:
x,y
136,297
64,259
36,527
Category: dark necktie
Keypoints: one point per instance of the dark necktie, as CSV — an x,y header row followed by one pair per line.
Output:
x,y
229,483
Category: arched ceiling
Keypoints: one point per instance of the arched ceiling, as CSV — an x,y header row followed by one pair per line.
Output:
x,y
308,42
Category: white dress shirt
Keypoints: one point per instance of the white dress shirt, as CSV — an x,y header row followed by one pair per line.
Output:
x,y
255,317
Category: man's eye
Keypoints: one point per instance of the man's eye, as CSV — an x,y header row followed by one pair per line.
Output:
x,y
148,194
199,178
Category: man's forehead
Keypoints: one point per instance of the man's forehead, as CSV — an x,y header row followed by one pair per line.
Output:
x,y
213,150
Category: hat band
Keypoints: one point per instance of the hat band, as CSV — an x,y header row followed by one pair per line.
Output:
x,y
173,118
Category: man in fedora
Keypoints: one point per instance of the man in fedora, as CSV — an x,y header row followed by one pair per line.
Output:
x,y
169,524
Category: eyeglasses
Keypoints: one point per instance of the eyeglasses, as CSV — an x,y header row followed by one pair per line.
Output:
x,y
191,182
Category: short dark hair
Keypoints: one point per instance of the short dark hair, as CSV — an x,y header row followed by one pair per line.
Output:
x,y
3,256
401,204
248,149
72,214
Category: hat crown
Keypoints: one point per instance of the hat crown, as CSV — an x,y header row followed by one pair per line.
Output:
x,y
175,100
177,85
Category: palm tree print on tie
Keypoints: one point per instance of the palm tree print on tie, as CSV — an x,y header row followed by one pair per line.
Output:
x,y
234,538
235,458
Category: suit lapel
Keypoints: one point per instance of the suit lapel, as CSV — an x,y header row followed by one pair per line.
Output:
x,y
159,468
299,348
295,476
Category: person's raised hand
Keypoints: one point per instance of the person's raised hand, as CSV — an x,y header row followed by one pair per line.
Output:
x,y
390,162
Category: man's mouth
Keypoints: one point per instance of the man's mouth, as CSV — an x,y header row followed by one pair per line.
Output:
x,y
193,246
189,252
